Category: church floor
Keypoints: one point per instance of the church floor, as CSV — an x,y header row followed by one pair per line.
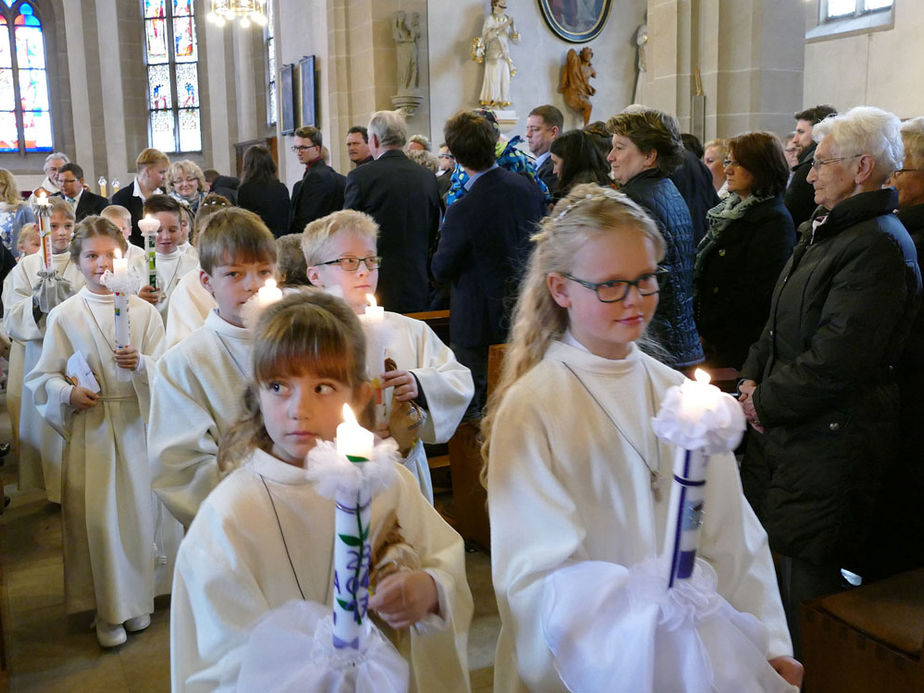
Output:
x,y
46,650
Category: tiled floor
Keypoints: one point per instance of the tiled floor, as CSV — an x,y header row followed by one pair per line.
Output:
x,y
47,651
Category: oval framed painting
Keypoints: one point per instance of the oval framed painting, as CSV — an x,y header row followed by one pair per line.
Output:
x,y
576,21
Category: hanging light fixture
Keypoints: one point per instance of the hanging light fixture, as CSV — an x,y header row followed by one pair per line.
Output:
x,y
247,12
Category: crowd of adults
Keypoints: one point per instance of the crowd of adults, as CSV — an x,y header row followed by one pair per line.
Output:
x,y
793,261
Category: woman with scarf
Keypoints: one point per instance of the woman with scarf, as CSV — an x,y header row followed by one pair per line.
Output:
x,y
750,237
186,183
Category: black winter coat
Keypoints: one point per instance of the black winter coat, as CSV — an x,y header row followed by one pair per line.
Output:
x,y
673,326
826,391
734,279
800,194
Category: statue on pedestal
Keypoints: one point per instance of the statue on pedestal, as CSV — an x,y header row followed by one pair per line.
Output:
x,y
406,34
492,48
575,81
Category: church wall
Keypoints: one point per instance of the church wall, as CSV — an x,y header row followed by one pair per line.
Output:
x,y
456,79
875,68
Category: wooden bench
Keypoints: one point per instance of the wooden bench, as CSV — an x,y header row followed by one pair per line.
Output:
x,y
866,639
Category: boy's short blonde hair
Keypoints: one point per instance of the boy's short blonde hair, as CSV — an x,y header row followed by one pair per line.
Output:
x,y
150,157
234,235
29,233
113,212
317,237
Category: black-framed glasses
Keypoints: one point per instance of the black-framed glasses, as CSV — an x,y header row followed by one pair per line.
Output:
x,y
298,148
909,170
351,264
616,290
818,163
729,162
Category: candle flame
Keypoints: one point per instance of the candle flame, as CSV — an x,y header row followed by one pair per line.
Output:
x,y
370,299
701,376
42,197
348,416
269,283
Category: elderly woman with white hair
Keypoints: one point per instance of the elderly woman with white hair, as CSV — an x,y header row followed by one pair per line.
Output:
x,y
819,387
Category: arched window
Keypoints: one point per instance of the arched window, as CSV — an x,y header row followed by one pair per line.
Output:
x,y
172,56
25,115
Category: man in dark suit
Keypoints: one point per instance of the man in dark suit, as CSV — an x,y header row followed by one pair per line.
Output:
x,y
799,197
403,199
484,245
543,125
320,191
83,202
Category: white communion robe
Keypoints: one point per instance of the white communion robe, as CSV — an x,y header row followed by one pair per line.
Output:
x,y
198,394
190,305
108,516
171,268
14,375
446,384
233,567
565,487
40,447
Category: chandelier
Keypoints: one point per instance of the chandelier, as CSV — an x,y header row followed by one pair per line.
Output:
x,y
246,11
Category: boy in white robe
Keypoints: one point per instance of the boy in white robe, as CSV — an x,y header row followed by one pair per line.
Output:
x,y
265,536
340,250
171,262
40,446
190,305
122,218
108,518
200,383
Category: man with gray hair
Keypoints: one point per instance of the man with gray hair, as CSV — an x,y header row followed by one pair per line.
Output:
x,y
403,199
51,185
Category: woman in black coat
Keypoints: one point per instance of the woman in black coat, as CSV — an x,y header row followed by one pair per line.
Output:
x,y
750,237
646,149
820,386
261,191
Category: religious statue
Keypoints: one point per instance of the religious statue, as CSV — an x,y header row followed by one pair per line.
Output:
x,y
406,36
575,81
492,48
641,63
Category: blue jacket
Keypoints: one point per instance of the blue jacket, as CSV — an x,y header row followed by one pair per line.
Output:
x,y
673,326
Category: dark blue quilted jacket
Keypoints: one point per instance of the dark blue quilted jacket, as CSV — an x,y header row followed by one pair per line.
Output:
x,y
673,326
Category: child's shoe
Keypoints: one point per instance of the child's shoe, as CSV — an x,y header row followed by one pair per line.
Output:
x,y
110,634
137,623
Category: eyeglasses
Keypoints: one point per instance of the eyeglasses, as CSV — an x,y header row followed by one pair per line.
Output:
x,y
818,163
729,162
616,290
299,148
351,264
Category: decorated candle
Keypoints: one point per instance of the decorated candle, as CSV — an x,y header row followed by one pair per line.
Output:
x,y
101,182
42,211
373,321
700,420
269,293
149,226
115,185
120,298
352,551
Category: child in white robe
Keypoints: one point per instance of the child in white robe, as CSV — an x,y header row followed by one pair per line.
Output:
x,y
340,250
108,520
264,536
170,262
122,218
575,473
40,446
200,382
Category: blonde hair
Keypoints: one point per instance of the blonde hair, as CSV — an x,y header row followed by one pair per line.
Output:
x,y
92,227
318,236
28,233
912,132
588,212
112,211
184,167
211,203
234,235
59,206
720,143
9,191
308,331
151,157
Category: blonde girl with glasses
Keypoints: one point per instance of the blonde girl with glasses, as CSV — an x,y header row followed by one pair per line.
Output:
x,y
576,478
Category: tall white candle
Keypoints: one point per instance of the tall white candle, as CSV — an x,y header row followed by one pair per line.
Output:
x,y
42,211
352,550
120,299
149,227
374,325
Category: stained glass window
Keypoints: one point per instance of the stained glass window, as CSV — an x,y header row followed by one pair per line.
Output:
x,y
269,35
172,57
25,111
